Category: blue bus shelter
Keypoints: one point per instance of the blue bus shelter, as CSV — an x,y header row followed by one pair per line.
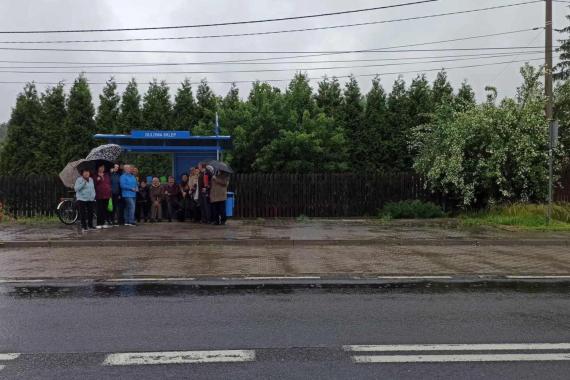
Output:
x,y
186,150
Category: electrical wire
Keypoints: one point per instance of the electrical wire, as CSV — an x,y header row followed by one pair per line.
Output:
x,y
11,71
218,24
311,78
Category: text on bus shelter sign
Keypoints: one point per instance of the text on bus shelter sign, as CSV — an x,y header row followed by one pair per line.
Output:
x,y
160,134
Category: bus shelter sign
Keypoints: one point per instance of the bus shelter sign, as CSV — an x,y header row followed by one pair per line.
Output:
x,y
160,134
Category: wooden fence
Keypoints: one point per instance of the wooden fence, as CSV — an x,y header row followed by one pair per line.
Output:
x,y
261,195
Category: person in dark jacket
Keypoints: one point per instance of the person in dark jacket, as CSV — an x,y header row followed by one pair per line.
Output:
x,y
143,202
118,207
204,186
185,200
172,195
102,195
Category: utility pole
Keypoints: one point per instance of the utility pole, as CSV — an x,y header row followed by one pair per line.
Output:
x,y
549,99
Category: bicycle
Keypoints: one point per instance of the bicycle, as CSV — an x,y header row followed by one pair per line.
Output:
x,y
67,211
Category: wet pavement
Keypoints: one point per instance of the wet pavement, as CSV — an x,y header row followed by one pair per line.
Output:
x,y
277,229
106,332
223,261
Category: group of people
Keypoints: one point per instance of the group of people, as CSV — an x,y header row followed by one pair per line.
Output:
x,y
120,196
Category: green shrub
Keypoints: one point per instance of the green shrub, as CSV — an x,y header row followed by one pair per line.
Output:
x,y
411,210
525,215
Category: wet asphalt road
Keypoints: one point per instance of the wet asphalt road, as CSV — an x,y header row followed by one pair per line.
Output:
x,y
68,332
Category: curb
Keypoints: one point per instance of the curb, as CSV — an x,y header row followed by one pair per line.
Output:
x,y
282,243
307,282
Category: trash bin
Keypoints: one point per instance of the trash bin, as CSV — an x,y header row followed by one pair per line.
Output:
x,y
230,204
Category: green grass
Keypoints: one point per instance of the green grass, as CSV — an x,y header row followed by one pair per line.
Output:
x,y
411,209
30,220
521,216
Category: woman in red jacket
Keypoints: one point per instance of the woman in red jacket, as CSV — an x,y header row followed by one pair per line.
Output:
x,y
102,194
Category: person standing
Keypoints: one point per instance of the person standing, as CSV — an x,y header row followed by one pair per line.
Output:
x,y
172,194
194,194
156,194
129,193
118,207
204,186
85,195
218,197
143,200
185,201
102,195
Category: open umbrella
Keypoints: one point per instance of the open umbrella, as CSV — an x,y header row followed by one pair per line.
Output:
x,y
70,173
107,152
221,166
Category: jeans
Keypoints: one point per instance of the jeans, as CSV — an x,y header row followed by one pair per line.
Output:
x,y
118,209
129,210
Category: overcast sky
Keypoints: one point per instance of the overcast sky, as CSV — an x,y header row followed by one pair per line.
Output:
x,y
82,14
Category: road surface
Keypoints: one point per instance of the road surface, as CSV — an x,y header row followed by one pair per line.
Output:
x,y
172,331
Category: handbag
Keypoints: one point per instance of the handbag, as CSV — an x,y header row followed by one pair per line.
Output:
x,y
110,205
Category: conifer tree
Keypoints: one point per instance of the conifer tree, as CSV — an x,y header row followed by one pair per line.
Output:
x,y
79,123
130,115
108,112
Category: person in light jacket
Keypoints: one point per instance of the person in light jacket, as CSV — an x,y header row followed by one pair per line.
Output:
x,y
129,188
156,193
218,197
85,195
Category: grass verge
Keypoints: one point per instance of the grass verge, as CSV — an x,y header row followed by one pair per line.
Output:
x,y
521,216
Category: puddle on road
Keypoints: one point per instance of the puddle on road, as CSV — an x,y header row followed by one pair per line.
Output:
x,y
186,290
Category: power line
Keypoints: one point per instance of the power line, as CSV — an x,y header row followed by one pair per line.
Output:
x,y
311,78
258,60
261,33
484,55
377,50
242,71
220,23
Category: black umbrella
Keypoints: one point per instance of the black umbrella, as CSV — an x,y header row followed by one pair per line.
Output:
x,y
221,166
107,152
92,165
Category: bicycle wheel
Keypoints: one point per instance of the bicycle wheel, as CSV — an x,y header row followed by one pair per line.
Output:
x,y
67,212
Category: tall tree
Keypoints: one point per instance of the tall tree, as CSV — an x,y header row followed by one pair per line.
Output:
x,y
562,69
265,117
157,109
80,121
206,109
130,116
465,97
19,152
232,111
420,100
442,91
299,98
329,97
352,114
107,119
184,110
52,130
376,144
400,123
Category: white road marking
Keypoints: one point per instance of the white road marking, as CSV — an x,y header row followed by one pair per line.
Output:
x,y
280,278
415,277
461,358
458,347
179,357
538,277
150,279
7,281
9,356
